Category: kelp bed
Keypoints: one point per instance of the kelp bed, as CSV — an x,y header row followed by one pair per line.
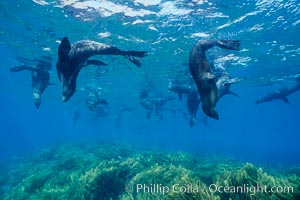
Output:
x,y
91,171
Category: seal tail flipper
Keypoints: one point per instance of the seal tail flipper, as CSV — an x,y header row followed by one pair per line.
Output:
x,y
258,101
25,60
130,55
229,44
192,121
180,96
16,69
95,62
22,67
134,60
149,113
44,63
285,100
63,57
234,94
139,54
208,75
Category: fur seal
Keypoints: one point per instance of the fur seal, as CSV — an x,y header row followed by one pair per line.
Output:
x,y
102,110
39,74
159,103
180,88
281,93
71,59
192,101
146,102
153,102
189,88
93,98
202,75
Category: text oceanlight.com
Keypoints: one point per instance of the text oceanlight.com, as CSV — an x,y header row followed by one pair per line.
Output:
x,y
213,188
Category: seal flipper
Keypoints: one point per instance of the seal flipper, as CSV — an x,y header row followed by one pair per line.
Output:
x,y
149,113
180,96
23,67
131,54
134,60
229,44
285,100
64,49
63,62
139,54
192,121
209,75
95,62
233,93
25,60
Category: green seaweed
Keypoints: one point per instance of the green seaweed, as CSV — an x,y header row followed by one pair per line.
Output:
x,y
91,171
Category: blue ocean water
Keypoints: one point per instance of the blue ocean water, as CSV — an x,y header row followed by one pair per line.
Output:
x,y
268,58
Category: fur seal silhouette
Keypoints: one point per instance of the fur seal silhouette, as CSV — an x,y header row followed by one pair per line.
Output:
x,y
71,59
146,102
153,102
159,103
281,93
192,101
202,75
102,110
180,88
189,88
93,98
39,73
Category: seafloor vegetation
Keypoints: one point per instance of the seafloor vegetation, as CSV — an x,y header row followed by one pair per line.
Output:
x,y
93,171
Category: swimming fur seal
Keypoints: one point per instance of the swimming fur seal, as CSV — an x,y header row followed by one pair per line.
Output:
x,y
71,59
93,98
202,75
180,88
102,110
189,88
281,93
146,102
192,101
153,102
159,103
39,74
